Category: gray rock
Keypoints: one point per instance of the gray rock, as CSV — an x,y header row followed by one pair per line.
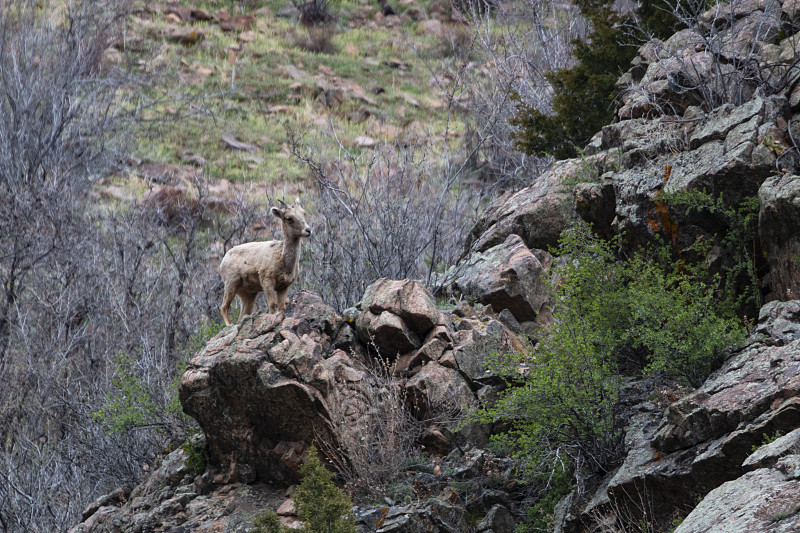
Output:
x,y
506,276
409,300
766,456
779,322
779,229
498,520
758,502
537,213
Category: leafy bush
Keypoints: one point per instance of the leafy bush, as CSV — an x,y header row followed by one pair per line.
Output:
x,y
740,278
269,522
134,402
320,504
613,314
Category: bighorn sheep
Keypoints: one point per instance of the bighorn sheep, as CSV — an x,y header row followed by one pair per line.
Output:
x,y
268,266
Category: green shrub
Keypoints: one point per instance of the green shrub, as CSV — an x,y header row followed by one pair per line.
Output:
x,y
131,405
134,402
614,315
320,504
740,280
268,522
583,95
195,457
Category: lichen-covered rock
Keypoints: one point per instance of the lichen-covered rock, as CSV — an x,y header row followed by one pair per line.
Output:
x,y
507,276
707,437
779,229
766,456
476,341
779,322
758,502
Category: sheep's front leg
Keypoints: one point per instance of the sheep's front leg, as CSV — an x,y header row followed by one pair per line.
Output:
x,y
268,286
282,299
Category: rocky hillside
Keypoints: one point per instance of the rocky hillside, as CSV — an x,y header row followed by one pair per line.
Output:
x,y
711,114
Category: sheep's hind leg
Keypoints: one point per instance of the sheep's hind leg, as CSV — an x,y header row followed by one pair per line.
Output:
x,y
248,303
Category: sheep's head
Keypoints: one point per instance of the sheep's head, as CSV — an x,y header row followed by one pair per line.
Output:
x,y
293,219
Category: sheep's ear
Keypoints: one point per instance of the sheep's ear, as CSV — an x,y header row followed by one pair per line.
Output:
x,y
277,212
297,200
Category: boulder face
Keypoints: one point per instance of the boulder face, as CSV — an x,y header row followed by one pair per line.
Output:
x,y
253,391
507,276
397,316
763,500
537,213
779,229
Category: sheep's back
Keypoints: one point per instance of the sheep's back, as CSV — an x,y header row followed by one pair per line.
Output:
x,y
250,257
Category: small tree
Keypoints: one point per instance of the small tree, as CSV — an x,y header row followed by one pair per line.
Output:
x,y
320,504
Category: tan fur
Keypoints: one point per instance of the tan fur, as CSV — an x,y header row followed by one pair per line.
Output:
x,y
269,266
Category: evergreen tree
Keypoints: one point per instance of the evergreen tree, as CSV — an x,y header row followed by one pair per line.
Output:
x,y
584,93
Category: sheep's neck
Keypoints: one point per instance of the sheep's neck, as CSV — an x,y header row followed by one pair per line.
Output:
x,y
291,253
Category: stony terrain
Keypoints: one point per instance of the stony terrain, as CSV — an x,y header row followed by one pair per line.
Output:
x,y
702,461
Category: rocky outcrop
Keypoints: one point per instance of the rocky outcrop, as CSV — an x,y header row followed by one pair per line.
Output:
x,y
714,109
698,65
727,153
706,438
762,500
264,390
537,213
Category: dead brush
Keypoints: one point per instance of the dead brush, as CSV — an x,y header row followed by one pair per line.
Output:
x,y
317,38
377,432
313,12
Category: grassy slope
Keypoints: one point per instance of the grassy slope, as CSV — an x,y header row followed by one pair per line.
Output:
x,y
384,78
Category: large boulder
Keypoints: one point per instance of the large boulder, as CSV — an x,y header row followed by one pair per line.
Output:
x,y
779,229
765,500
537,213
507,276
396,316
256,393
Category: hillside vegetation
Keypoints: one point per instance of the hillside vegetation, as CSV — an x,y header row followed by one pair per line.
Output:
x,y
480,329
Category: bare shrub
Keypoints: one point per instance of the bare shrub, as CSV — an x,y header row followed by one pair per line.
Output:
x,y
521,42
318,39
313,12
377,431
399,212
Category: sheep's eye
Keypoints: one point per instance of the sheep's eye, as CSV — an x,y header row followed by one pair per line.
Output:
x,y
289,219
